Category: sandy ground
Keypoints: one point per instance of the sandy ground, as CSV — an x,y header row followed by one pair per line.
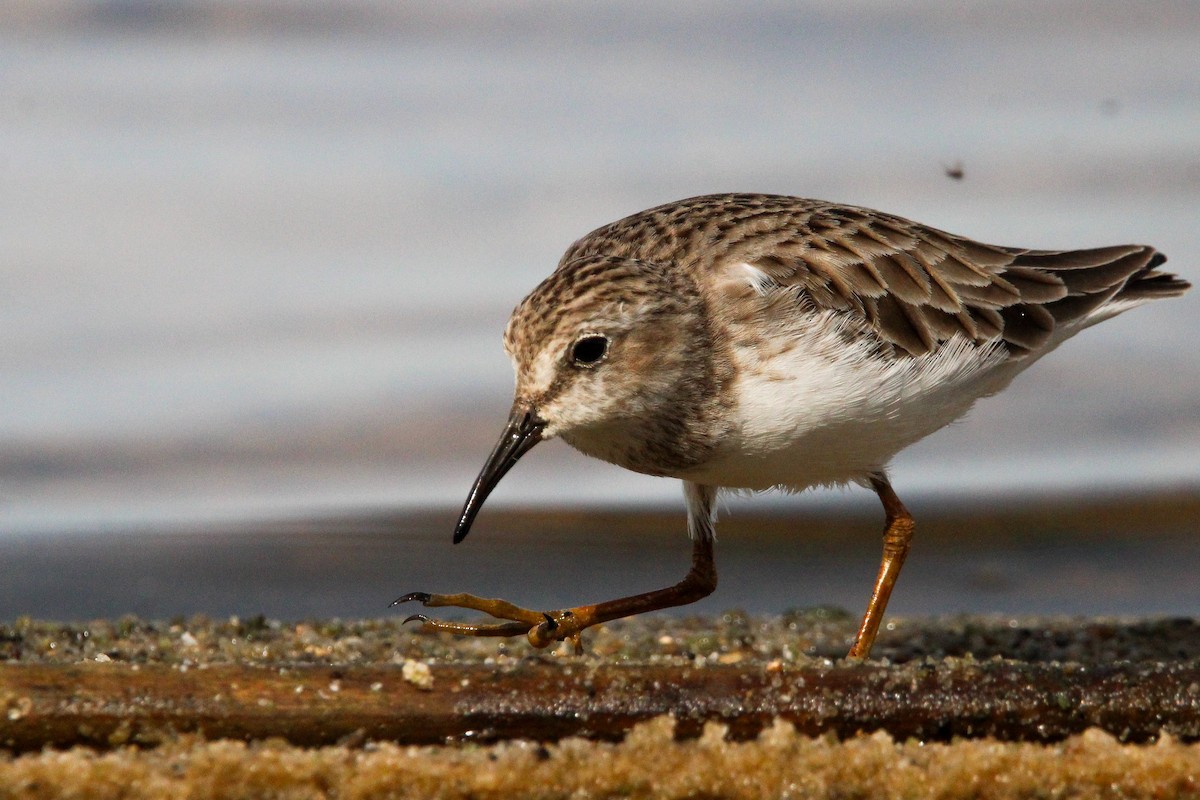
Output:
x,y
650,761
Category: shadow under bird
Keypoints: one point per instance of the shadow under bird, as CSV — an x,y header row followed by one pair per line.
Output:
x,y
748,341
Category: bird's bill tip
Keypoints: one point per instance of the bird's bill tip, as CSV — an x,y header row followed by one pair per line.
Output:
x,y
464,524
523,431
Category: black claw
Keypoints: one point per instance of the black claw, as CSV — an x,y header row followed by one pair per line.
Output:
x,y
415,618
422,597
550,623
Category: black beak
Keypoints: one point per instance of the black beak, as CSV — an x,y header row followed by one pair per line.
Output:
x,y
523,431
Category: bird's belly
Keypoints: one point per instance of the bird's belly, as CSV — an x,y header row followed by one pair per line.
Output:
x,y
803,421
821,455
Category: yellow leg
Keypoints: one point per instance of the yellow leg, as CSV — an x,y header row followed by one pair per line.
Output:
x,y
896,538
546,627
543,628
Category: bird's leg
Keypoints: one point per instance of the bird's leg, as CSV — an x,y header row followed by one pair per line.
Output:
x,y
546,627
543,628
896,538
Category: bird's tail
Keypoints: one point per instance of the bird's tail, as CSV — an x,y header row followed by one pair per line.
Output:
x,y
1105,281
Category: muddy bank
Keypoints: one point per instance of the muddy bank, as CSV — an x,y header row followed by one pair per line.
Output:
x,y
109,683
109,705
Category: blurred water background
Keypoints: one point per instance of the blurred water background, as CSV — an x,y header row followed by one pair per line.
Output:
x,y
256,257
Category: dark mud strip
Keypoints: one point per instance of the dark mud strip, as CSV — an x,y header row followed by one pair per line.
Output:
x,y
1107,553
107,705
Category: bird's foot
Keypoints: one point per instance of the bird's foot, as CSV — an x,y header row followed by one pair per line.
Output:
x,y
541,628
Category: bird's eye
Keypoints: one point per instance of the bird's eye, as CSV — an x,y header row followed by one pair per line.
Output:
x,y
589,350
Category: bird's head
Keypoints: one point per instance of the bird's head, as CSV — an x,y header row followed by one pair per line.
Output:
x,y
613,356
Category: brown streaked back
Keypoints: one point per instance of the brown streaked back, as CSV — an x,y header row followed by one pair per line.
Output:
x,y
914,286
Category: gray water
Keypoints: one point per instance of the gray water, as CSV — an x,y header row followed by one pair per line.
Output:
x,y
255,258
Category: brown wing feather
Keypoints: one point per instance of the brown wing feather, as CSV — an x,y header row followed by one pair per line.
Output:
x,y
939,285
915,286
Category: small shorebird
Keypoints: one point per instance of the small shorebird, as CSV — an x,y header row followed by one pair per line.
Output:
x,y
747,341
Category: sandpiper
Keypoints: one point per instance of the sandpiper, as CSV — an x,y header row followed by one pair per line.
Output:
x,y
749,341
